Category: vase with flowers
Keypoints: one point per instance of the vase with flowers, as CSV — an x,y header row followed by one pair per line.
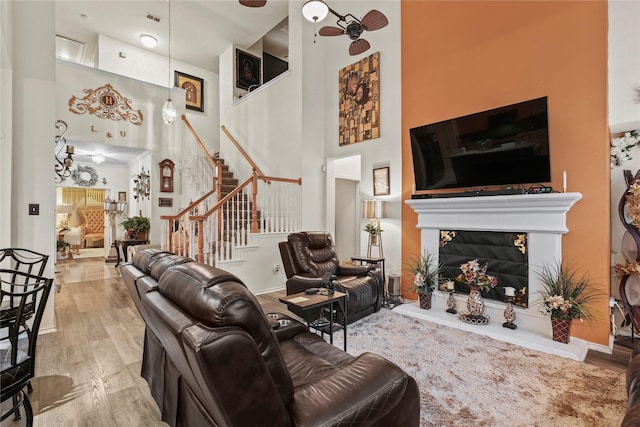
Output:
x,y
426,274
475,276
565,297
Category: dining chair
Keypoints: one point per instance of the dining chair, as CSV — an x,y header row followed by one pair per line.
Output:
x,y
22,296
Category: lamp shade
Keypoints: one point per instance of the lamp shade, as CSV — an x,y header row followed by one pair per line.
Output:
x,y
64,209
315,10
373,209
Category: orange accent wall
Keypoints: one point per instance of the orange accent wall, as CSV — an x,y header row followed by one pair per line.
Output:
x,y
461,57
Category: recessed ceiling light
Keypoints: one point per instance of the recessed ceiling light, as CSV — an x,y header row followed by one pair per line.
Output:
x,y
148,41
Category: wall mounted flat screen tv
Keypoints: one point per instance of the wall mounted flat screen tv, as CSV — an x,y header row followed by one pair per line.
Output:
x,y
506,146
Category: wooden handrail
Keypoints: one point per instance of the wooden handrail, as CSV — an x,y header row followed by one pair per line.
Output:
x,y
244,153
268,179
188,208
213,161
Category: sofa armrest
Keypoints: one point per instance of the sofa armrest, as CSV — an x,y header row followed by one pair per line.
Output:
x,y
358,394
354,270
300,283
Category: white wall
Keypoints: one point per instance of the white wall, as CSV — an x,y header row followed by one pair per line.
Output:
x,y
140,64
624,105
383,151
32,116
6,100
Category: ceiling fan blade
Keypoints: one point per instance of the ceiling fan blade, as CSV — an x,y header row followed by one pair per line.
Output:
x,y
253,3
331,31
358,47
374,20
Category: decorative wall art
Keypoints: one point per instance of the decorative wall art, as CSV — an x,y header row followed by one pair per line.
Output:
x,y
195,90
165,202
106,103
85,176
122,196
381,181
141,185
359,106
248,70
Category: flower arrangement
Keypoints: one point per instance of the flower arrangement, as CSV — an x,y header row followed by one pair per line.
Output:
x,y
626,268
633,200
373,228
426,272
475,275
564,295
621,147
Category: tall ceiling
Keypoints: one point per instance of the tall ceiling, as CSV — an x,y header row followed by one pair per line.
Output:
x,y
200,30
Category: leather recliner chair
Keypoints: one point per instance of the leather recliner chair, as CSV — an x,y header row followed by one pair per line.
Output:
x,y
307,256
212,357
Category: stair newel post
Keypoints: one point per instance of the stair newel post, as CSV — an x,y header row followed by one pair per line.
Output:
x,y
200,233
254,194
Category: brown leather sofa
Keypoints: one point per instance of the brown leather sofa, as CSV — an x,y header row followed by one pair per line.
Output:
x,y
632,417
308,255
212,357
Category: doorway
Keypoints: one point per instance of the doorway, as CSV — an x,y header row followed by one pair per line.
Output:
x,y
343,197
80,221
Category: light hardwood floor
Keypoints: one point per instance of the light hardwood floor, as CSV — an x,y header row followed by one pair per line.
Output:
x,y
88,372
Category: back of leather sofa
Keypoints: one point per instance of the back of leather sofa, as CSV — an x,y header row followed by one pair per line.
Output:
x,y
218,299
313,252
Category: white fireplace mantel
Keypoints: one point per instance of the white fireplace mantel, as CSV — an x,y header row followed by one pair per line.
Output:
x,y
543,218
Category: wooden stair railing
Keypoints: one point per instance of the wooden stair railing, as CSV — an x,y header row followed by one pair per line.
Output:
x,y
260,204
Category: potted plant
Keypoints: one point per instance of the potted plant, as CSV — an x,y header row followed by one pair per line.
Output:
x,y
137,227
426,274
61,246
565,297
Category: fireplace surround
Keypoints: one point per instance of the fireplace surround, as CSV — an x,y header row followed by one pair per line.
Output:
x,y
543,218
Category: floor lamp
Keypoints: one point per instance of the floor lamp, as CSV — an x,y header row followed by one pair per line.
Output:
x,y
374,210
113,208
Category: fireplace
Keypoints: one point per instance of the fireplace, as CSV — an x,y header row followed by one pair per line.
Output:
x,y
542,218
505,254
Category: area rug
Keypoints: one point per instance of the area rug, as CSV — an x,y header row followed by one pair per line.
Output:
x,y
466,379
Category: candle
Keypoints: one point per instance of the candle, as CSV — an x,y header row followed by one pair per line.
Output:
x,y
70,149
564,181
509,291
450,285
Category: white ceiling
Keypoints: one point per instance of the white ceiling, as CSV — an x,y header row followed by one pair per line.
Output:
x,y
200,32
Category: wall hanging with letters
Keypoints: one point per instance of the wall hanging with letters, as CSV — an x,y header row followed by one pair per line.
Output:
x,y
106,103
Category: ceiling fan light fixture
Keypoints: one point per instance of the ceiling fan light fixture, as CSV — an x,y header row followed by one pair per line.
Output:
x,y
315,10
169,112
148,41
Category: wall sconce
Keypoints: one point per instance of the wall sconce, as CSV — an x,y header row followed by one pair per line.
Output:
x,y
63,166
113,208
374,210
142,186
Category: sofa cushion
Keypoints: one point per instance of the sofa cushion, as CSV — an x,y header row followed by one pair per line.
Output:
x,y
314,252
142,259
160,264
217,298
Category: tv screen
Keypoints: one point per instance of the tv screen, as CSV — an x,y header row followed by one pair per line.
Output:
x,y
506,146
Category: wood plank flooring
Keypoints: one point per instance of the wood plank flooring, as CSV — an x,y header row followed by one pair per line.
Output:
x,y
88,372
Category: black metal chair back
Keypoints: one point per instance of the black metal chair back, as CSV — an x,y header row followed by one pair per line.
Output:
x,y
23,298
17,260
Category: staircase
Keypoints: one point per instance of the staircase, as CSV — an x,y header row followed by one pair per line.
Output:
x,y
231,221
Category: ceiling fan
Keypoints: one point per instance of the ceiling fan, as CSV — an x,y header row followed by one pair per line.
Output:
x,y
354,27
317,10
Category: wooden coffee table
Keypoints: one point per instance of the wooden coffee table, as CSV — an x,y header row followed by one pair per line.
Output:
x,y
306,302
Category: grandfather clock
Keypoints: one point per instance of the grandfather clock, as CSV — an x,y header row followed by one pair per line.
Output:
x,y
166,176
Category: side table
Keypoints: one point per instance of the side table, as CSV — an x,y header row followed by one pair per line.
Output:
x,y
124,244
306,302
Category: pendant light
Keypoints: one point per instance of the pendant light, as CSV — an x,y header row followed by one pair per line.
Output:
x,y
169,113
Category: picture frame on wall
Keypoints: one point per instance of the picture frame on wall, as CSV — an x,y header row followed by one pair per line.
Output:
x,y
381,181
122,196
165,202
248,70
194,87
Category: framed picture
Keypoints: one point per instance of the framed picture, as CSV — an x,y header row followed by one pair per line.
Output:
x,y
165,202
195,90
248,70
122,196
381,181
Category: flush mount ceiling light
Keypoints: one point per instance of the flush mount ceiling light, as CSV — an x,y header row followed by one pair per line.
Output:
x,y
98,158
148,41
315,10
